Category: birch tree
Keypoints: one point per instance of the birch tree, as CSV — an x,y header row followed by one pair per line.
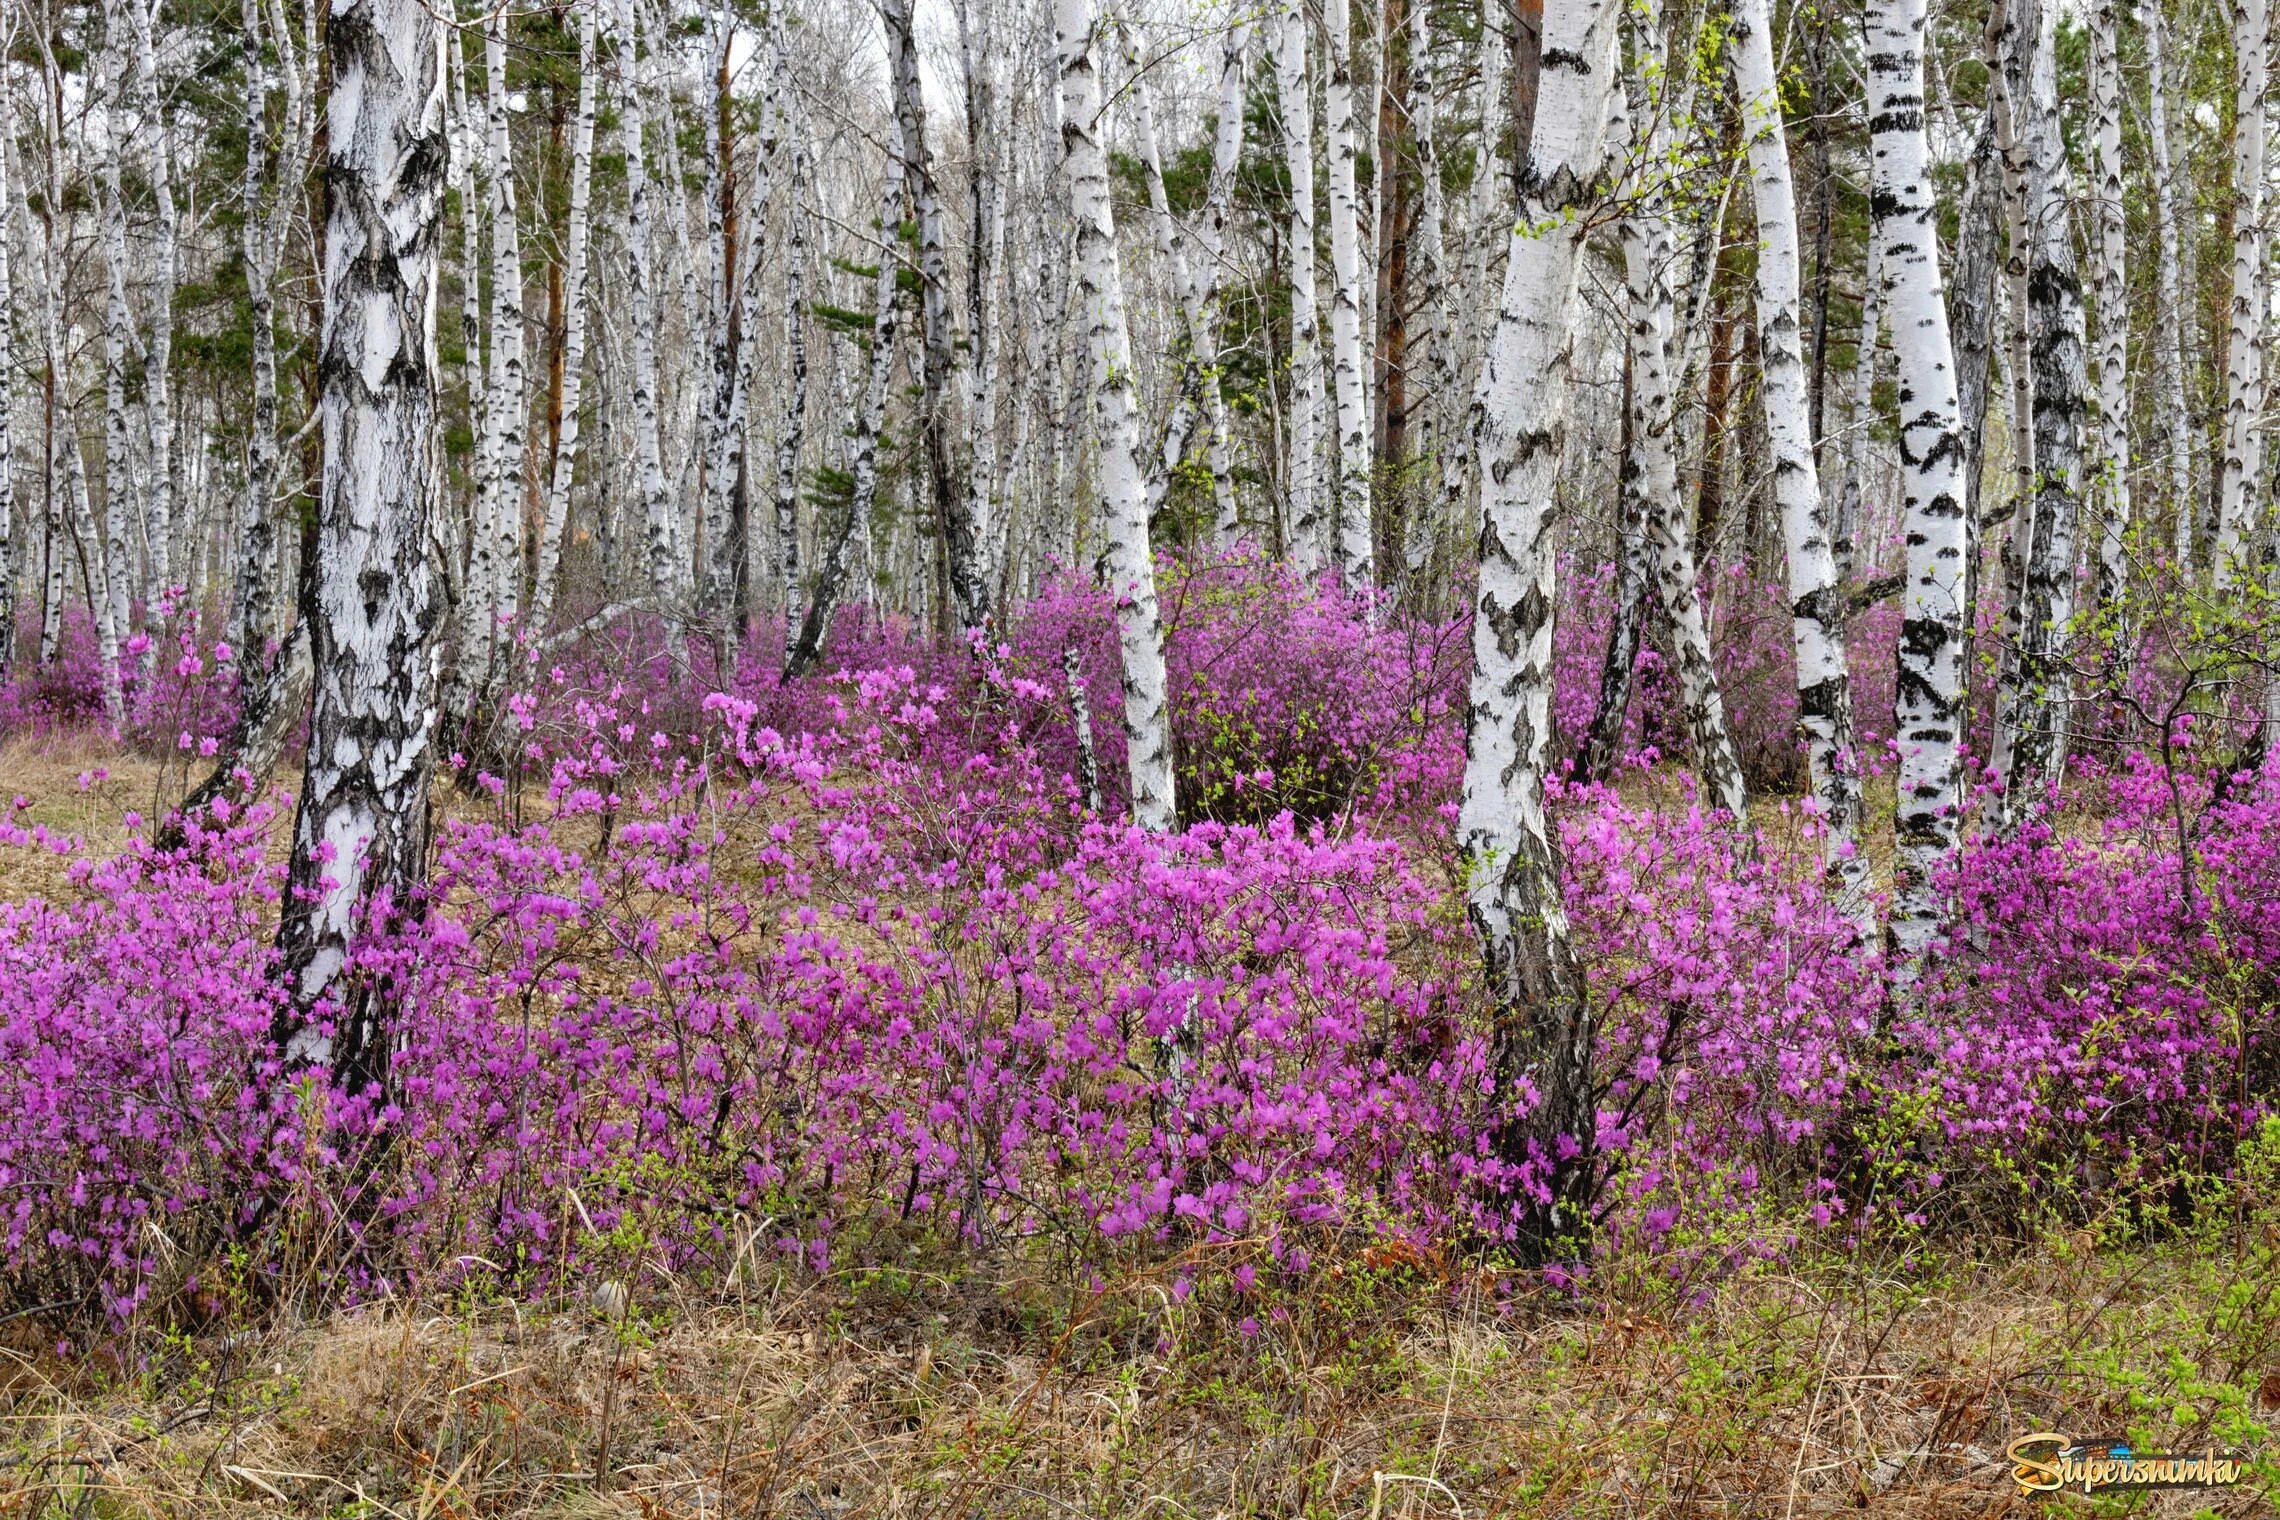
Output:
x,y
1130,564
1303,452
1428,269
11,533
62,441
641,311
1817,597
563,469
2111,468
1351,433
965,548
2171,314
360,834
495,564
973,555
1663,511
794,416
1545,1034
2030,752
119,484
158,365
2244,353
1928,712
1209,276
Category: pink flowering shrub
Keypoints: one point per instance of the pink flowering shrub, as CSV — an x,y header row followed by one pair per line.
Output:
x,y
811,968
2109,998
142,1121
188,688
858,988
1285,696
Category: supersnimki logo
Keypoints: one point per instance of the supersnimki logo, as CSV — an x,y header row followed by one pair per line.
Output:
x,y
2047,1462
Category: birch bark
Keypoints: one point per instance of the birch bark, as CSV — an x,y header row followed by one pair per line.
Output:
x,y
2244,363
1130,562
985,215
1351,431
61,428
1430,328
1545,1034
158,399
360,836
1817,597
11,535
2030,742
2111,468
1211,236
641,311
788,434
2175,429
498,544
565,463
1928,693
121,489
1306,546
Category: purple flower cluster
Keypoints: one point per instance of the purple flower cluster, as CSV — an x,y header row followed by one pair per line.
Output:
x,y
807,968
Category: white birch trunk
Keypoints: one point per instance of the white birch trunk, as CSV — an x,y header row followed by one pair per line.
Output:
x,y
2010,49
498,542
1484,235
360,837
12,536
1665,514
158,400
986,153
1351,433
1928,711
257,559
1306,536
120,487
1429,332
2111,468
789,431
2244,363
1817,597
62,429
722,288
2176,428
641,316
1544,1035
1130,562
2030,737
565,462
1211,235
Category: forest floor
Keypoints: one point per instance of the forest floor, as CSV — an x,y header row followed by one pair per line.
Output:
x,y
1888,1381
1385,1391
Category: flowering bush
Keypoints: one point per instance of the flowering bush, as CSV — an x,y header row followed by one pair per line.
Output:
x,y
2107,1004
143,1122
796,967
1286,696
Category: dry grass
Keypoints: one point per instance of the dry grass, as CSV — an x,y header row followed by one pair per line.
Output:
x,y
917,1393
